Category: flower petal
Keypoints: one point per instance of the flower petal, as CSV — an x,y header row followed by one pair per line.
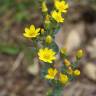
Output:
x,y
32,28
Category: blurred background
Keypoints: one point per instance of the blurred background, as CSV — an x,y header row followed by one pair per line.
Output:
x,y
18,75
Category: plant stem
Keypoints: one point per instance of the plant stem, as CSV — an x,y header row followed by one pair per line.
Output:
x,y
57,91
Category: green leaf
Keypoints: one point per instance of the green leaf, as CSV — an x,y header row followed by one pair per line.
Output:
x,y
54,47
71,78
57,91
74,65
21,16
44,70
30,53
64,69
9,49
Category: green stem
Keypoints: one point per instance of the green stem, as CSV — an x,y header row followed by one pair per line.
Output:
x,y
57,91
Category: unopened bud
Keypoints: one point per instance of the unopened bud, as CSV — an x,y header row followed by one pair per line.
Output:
x,y
42,31
44,7
67,62
48,39
79,54
70,71
47,19
63,50
76,72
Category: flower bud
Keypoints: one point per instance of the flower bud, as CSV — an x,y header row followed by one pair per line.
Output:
x,y
48,39
70,71
63,50
76,72
67,62
63,78
42,31
44,7
47,19
79,54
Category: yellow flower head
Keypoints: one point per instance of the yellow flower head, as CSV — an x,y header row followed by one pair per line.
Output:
x,y
48,39
63,78
31,32
44,7
46,55
61,6
51,73
57,16
76,72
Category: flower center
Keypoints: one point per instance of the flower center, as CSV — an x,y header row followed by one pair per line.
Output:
x,y
32,33
47,56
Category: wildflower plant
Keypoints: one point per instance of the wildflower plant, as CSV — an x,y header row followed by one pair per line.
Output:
x,y
46,49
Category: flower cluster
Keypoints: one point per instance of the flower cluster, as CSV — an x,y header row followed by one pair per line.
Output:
x,y
47,49
61,7
51,75
68,71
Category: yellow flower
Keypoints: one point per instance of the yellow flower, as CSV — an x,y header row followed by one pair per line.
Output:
x,y
61,6
46,55
31,32
48,39
79,54
76,72
44,7
51,73
67,62
63,78
57,16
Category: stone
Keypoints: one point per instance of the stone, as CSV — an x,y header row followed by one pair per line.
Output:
x,y
89,71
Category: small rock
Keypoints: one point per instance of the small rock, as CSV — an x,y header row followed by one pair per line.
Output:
x,y
71,36
75,37
90,71
34,68
79,89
